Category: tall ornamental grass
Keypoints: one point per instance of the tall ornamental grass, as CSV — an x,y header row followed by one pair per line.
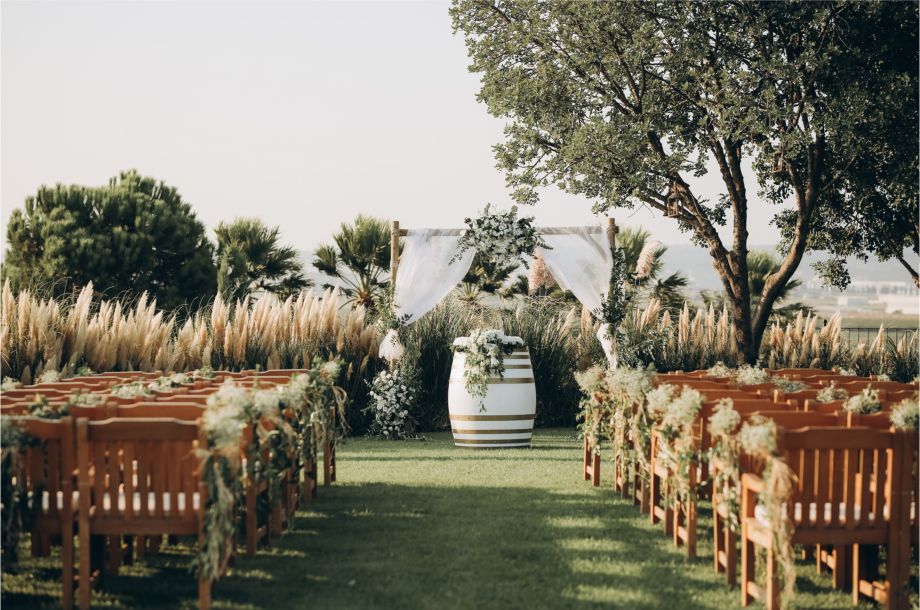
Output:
x,y
39,335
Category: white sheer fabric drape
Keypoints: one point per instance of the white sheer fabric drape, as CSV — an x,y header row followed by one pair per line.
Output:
x,y
580,262
425,276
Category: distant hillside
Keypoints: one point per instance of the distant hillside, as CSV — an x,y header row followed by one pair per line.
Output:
x,y
696,264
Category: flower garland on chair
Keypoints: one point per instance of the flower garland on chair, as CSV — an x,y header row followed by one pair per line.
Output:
x,y
288,421
758,439
724,425
678,451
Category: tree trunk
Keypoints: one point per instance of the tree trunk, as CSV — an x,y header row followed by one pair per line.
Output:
x,y
913,272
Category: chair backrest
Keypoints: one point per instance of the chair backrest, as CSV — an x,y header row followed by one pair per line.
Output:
x,y
186,411
792,420
734,394
141,467
844,476
857,385
200,399
801,372
48,463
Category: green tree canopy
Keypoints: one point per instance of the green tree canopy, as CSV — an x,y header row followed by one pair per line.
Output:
x,y
623,101
359,259
250,259
133,235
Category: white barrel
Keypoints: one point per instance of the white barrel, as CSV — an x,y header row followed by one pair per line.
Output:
x,y
510,405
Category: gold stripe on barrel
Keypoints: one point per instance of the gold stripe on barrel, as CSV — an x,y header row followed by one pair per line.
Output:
x,y
507,431
510,441
491,417
517,366
498,380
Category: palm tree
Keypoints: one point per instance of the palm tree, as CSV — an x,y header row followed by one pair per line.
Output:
x,y
359,259
760,265
668,290
251,260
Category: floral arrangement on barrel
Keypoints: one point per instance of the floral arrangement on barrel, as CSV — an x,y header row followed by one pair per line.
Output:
x,y
501,237
393,394
485,350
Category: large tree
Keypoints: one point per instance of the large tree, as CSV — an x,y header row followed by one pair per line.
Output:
x,y
135,234
251,259
624,101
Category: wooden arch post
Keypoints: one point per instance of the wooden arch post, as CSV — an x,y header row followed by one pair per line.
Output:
x,y
394,250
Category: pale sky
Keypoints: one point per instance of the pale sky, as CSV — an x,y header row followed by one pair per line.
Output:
x,y
304,114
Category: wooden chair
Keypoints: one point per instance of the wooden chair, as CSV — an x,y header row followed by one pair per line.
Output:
x,y
138,477
835,503
47,476
591,465
725,541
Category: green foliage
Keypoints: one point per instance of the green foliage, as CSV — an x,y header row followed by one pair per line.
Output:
x,y
251,260
615,306
668,290
488,276
359,259
559,346
624,102
134,235
428,343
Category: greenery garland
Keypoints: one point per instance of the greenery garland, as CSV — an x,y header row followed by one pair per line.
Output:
x,y
288,421
758,439
485,351
616,304
724,425
501,237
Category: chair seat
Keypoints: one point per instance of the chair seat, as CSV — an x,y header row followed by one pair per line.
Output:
x,y
760,513
166,501
59,501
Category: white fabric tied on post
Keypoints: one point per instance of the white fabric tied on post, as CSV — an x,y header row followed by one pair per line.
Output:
x,y
580,262
424,276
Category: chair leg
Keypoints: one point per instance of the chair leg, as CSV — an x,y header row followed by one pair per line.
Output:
x,y
839,570
772,592
691,529
747,568
858,567
718,536
67,567
204,594
251,522
85,570
731,557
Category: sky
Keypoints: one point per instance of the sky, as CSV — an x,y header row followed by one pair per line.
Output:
x,y
304,114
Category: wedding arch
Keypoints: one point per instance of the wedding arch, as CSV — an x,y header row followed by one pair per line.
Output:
x,y
432,264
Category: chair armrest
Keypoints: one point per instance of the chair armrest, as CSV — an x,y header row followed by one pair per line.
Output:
x,y
752,483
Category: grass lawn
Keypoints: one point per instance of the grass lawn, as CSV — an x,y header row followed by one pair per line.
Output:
x,y
422,524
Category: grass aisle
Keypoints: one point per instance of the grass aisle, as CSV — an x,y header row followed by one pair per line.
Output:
x,y
425,525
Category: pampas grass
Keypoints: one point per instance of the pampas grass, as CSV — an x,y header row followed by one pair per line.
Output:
x,y
39,335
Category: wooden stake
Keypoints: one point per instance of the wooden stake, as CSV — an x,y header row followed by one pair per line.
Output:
x,y
612,230
394,250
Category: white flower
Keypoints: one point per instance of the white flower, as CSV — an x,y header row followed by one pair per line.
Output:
x,y
865,402
906,414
